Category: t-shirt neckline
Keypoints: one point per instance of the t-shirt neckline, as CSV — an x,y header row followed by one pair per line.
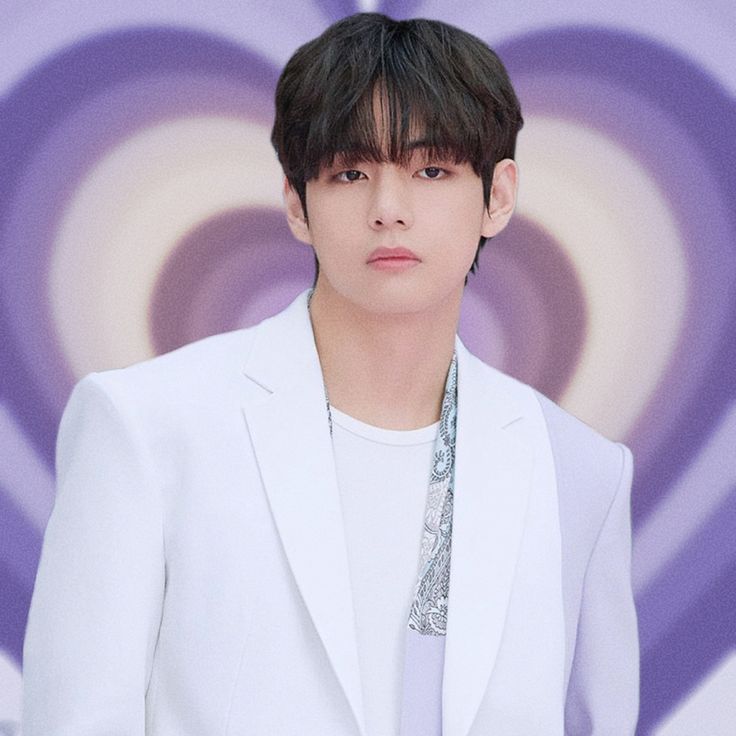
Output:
x,y
419,436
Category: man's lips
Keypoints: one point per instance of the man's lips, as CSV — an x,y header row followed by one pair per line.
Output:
x,y
399,253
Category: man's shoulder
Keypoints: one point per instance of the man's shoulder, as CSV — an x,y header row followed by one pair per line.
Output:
x,y
589,468
566,427
566,430
582,453
192,371
585,459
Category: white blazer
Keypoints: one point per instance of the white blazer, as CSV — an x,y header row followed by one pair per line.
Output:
x,y
194,576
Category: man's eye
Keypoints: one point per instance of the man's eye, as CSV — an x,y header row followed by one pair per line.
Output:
x,y
433,172
349,175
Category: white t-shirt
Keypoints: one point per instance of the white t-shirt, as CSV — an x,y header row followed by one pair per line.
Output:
x,y
383,476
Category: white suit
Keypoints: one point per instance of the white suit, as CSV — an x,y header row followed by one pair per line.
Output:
x,y
194,575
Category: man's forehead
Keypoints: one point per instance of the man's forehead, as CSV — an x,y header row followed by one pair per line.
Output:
x,y
413,148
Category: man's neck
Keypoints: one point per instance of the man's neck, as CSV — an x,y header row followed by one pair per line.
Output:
x,y
388,370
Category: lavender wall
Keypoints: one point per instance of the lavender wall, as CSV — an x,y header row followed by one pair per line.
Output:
x,y
140,210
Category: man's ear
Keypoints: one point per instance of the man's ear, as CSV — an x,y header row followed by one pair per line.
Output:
x,y
295,214
503,198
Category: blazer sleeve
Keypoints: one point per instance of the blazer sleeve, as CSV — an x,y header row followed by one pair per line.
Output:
x,y
96,604
603,692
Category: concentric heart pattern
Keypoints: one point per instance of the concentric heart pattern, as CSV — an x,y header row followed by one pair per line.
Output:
x,y
141,209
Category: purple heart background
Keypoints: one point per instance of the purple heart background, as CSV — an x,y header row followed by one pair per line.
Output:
x,y
140,210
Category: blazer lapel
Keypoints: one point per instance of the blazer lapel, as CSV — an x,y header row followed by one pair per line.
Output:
x,y
288,424
290,433
493,466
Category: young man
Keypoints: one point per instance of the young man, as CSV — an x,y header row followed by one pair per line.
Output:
x,y
340,521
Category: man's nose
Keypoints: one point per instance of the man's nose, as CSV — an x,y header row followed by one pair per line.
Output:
x,y
390,202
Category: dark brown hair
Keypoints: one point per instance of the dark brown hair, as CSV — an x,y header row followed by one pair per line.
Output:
x,y
433,79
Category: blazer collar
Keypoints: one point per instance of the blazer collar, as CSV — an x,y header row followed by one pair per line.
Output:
x,y
289,428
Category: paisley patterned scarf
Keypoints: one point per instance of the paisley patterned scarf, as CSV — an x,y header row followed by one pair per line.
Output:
x,y
424,654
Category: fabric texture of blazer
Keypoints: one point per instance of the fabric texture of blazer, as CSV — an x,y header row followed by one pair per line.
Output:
x,y
194,577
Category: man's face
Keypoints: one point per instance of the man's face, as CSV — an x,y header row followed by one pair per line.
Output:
x,y
432,207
